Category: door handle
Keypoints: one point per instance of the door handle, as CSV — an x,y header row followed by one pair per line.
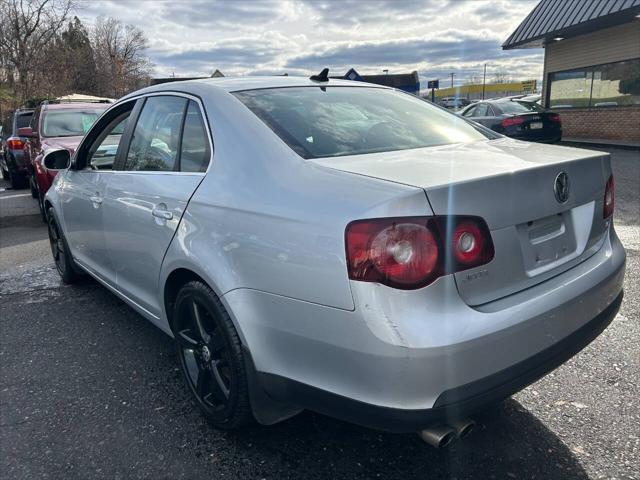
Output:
x,y
96,200
161,212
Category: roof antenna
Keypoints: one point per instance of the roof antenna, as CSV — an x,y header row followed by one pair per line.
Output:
x,y
323,76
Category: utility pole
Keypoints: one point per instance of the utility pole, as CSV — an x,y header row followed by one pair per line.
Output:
x,y
484,79
452,74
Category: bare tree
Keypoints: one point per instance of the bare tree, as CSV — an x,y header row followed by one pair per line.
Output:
x,y
501,76
27,27
119,56
473,80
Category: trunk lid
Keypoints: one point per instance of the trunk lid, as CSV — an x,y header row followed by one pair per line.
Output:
x,y
511,185
534,124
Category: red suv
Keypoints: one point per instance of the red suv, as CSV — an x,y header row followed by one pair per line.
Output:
x,y
55,125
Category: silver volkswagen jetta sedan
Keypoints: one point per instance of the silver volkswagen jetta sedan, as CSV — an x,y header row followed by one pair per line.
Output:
x,y
340,247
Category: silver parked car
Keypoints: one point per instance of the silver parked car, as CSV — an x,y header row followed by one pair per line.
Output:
x,y
340,247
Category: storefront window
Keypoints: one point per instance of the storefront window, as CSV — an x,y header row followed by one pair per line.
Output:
x,y
610,85
616,84
570,89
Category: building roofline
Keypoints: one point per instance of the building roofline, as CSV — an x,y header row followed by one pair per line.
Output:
x,y
570,18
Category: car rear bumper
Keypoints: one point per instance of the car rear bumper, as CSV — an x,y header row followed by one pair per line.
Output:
x,y
458,402
543,137
17,161
404,359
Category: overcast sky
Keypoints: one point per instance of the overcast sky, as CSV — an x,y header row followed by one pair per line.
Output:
x,y
435,37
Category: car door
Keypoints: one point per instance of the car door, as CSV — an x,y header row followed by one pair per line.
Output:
x,y
83,192
149,191
32,144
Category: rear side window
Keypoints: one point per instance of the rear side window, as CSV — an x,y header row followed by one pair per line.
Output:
x,y
335,121
156,138
194,152
69,123
519,107
23,119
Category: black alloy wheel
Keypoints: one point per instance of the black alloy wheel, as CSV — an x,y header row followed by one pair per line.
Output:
x,y
42,208
211,356
59,250
32,187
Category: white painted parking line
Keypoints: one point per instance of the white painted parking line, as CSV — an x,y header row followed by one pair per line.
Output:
x,y
15,196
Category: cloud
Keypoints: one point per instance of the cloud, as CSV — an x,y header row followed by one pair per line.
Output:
x,y
451,47
354,12
192,38
211,13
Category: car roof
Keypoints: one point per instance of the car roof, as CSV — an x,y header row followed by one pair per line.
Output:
x,y
75,105
231,84
237,84
502,100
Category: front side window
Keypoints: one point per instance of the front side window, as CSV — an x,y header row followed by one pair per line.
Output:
x,y
482,110
103,154
155,142
69,122
335,121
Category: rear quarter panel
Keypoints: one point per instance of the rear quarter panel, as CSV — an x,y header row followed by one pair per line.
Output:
x,y
268,220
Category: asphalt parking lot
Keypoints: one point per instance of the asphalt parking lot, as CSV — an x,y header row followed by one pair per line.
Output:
x,y
89,389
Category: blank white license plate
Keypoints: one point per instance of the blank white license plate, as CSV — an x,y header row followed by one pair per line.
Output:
x,y
535,125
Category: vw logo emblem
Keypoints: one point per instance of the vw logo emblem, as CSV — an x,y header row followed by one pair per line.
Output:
x,y
206,354
561,187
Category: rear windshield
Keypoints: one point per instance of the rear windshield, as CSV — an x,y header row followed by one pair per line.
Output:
x,y
519,107
23,119
68,122
335,121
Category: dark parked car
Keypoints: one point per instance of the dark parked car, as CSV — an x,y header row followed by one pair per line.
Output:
x,y
518,119
13,163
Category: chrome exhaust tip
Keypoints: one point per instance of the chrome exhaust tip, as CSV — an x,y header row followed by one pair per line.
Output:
x,y
438,436
463,426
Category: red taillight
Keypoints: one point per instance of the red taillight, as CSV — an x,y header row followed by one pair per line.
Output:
x,y
609,198
409,253
15,144
511,121
554,117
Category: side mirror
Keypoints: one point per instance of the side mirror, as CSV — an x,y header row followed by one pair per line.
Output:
x,y
59,159
26,132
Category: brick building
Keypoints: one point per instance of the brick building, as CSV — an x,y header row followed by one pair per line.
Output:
x,y
591,65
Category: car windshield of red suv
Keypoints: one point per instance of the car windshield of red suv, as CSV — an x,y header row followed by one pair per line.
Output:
x,y
69,123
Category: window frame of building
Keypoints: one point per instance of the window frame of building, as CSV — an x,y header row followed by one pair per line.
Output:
x,y
590,70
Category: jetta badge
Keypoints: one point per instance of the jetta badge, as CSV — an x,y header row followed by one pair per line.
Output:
x,y
561,187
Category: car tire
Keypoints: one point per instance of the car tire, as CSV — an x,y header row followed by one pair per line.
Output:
x,y
42,208
211,357
33,188
17,180
60,250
